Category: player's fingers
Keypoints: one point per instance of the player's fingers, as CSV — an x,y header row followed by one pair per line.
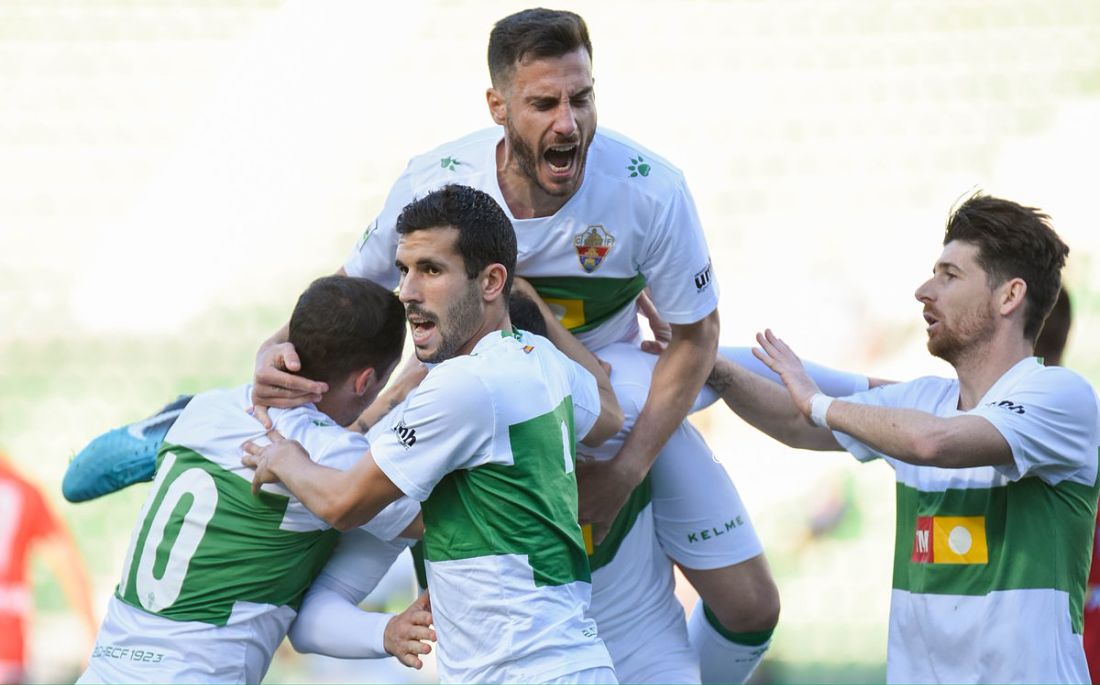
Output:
x,y
275,437
290,357
256,483
259,411
421,618
251,451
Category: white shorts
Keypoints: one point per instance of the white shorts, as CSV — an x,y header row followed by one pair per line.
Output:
x,y
639,617
700,519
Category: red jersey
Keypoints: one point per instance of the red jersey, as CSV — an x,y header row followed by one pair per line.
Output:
x,y
24,519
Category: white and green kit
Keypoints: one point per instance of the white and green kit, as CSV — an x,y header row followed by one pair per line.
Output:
x,y
214,575
486,442
990,563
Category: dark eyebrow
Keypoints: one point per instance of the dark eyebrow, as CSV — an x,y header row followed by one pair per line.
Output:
x,y
582,93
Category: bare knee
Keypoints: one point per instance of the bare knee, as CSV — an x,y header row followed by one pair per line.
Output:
x,y
743,597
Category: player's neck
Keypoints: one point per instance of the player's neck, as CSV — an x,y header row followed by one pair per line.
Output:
x,y
496,320
980,366
524,197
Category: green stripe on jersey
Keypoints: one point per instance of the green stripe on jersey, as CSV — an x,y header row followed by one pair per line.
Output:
x,y
206,542
528,507
637,501
1038,537
588,301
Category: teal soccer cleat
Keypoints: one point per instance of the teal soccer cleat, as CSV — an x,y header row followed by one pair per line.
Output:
x,y
120,457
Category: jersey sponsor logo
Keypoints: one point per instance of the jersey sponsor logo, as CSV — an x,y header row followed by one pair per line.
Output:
x,y
950,540
405,435
449,163
704,277
638,167
321,423
715,531
592,245
1010,406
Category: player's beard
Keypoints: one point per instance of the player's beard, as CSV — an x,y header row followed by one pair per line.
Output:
x,y
529,162
966,336
456,327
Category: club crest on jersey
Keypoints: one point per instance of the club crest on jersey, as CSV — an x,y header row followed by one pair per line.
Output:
x,y
592,246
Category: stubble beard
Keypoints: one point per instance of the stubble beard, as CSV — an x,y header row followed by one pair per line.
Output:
x,y
967,337
463,318
528,161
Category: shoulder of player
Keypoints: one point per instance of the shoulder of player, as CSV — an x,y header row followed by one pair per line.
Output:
x,y
1061,382
318,433
634,166
456,159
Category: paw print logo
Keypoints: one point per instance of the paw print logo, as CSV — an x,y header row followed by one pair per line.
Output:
x,y
449,163
638,167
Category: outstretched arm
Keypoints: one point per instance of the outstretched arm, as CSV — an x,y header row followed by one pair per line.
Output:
x,y
908,435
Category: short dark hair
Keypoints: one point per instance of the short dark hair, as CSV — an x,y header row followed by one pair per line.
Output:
x,y
534,33
525,315
342,324
1051,342
485,235
1013,241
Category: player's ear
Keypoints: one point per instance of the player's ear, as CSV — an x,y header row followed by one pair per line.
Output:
x,y
498,107
492,280
1012,294
363,381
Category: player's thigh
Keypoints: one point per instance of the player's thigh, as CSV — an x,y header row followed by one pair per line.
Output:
x,y
701,521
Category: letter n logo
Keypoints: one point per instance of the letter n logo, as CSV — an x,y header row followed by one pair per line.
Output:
x,y
922,541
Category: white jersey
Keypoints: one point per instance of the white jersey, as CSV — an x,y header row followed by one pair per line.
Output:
x,y
486,442
214,574
632,223
990,563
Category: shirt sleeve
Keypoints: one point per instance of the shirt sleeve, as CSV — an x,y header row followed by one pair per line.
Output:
x,y
1050,422
677,264
373,255
586,399
447,424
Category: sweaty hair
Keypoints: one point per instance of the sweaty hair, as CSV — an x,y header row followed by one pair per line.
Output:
x,y
533,34
1052,339
485,235
343,324
1013,242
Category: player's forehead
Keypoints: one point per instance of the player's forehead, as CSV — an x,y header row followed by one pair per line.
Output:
x,y
438,244
552,76
958,255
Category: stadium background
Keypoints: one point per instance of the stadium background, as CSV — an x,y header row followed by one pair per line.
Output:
x,y
173,173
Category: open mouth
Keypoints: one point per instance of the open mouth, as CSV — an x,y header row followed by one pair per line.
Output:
x,y
421,328
931,320
561,158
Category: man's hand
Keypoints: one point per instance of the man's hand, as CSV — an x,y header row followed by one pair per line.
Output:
x,y
268,458
782,360
276,383
603,490
406,633
662,332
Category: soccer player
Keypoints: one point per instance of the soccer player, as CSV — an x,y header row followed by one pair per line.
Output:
x,y
996,470
27,524
486,442
214,575
598,218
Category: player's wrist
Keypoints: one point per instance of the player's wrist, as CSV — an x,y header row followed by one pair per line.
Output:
x,y
819,408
